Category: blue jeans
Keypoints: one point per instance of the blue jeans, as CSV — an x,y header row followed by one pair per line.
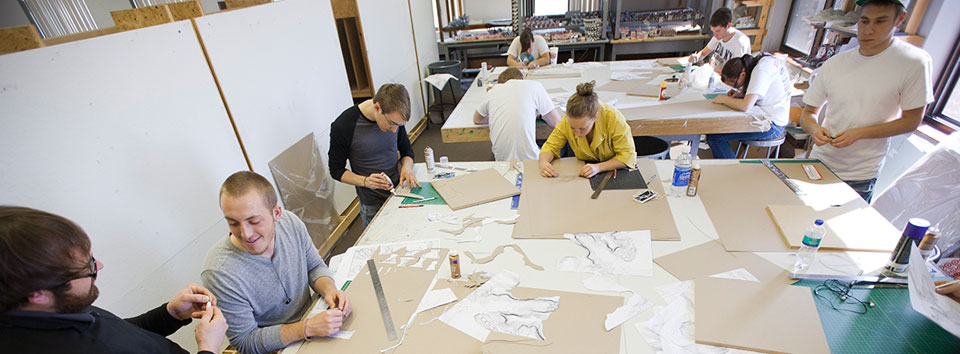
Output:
x,y
368,211
720,143
864,188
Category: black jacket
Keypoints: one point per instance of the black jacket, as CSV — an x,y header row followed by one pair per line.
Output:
x,y
93,330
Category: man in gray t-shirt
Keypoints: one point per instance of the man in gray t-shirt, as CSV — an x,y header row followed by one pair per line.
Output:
x,y
263,272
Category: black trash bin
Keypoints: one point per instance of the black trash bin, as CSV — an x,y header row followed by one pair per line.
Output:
x,y
451,67
649,147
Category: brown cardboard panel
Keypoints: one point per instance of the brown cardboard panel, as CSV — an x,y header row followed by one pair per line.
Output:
x,y
770,317
848,228
638,87
710,258
736,196
576,327
403,288
551,207
474,188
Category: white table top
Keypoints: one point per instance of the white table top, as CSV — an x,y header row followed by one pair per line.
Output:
x,y
394,224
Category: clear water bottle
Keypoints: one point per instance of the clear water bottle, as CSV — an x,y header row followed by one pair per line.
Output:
x,y
681,173
811,243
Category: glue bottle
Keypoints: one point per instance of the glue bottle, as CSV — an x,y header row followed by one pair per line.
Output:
x,y
694,178
681,173
811,243
428,156
663,90
454,264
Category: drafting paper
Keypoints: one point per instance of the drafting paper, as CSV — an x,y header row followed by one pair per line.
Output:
x,y
621,252
766,317
634,306
710,258
847,228
552,207
940,309
475,188
492,308
736,198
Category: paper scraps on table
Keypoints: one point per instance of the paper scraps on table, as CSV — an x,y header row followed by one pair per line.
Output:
x,y
924,299
497,251
342,334
436,298
737,274
474,220
492,308
619,252
421,254
629,75
449,218
634,306
600,283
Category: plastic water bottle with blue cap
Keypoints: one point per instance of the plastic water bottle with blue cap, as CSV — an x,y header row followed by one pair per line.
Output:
x,y
811,243
681,173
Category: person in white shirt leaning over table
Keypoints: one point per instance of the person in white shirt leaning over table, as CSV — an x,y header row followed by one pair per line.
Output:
x,y
528,51
875,91
727,42
511,108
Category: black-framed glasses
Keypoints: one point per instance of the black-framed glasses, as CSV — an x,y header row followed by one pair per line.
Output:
x,y
92,269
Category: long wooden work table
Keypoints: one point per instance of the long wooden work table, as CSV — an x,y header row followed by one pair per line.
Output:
x,y
717,213
685,116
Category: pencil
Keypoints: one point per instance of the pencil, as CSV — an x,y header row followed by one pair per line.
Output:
x,y
944,285
411,205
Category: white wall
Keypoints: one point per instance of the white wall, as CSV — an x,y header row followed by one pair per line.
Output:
x,y
426,39
101,10
776,25
11,14
484,10
941,29
388,36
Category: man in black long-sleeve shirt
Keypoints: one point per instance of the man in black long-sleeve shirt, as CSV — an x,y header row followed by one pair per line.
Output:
x,y
370,135
47,274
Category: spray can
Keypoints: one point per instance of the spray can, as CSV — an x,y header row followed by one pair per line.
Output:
x,y
912,233
454,264
483,72
929,241
428,156
694,178
663,90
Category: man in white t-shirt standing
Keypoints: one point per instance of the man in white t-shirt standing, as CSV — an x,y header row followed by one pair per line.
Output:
x,y
511,109
876,91
528,51
727,42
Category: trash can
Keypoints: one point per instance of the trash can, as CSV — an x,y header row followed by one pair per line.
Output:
x,y
649,147
451,67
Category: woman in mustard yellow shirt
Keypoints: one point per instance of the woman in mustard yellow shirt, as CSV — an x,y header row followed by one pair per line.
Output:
x,y
597,133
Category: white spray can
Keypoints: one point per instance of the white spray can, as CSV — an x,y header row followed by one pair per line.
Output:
x,y
428,156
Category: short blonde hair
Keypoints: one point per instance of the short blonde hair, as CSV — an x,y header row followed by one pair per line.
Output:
x,y
585,103
243,182
393,98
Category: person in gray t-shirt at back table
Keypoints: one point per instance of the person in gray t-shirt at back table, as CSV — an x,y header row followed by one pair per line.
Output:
x,y
370,135
263,272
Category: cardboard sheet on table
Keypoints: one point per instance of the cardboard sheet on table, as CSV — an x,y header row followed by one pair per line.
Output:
x,y
624,179
754,316
736,196
638,87
710,258
403,287
426,190
847,228
475,188
680,109
551,207
552,73
681,61
575,327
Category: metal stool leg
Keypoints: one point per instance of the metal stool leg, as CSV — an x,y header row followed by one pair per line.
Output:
x,y
778,152
736,155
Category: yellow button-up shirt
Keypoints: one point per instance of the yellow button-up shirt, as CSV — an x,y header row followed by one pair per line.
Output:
x,y
612,139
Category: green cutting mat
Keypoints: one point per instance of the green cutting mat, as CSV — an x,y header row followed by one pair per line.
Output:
x,y
426,191
892,326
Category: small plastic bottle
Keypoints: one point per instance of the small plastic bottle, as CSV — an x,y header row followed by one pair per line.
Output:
x,y
663,90
810,245
454,264
681,173
428,156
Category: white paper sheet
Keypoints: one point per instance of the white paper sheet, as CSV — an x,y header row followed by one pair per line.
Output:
x,y
737,274
628,75
492,308
924,298
634,306
439,80
600,283
342,334
355,258
436,298
620,252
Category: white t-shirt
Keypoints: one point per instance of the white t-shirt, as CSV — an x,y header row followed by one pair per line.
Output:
x,y
512,108
736,47
771,81
864,91
539,47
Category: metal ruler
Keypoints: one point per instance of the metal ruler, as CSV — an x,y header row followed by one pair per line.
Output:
x,y
515,203
382,300
603,183
855,280
450,167
783,177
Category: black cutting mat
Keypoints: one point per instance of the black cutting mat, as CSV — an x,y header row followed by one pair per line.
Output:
x,y
626,179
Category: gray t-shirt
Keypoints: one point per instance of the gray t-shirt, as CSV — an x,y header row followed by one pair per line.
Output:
x,y
256,294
